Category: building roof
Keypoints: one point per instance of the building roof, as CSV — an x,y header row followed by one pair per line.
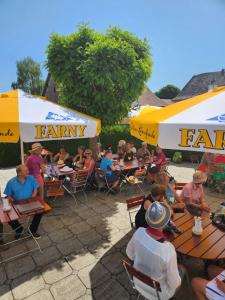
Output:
x,y
149,98
200,84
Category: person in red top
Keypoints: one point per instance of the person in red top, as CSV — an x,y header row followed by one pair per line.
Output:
x,y
35,165
89,163
160,157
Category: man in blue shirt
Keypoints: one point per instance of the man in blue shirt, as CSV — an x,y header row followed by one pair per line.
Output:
x,y
108,167
23,187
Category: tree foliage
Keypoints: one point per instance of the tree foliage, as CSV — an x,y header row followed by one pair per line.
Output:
x,y
168,92
28,76
99,74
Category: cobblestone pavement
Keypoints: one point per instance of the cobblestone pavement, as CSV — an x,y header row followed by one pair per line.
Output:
x,y
83,246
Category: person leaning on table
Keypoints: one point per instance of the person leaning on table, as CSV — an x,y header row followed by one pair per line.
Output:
x,y
154,256
193,195
22,187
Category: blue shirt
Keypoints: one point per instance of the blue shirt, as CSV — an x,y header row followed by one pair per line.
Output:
x,y
105,165
21,190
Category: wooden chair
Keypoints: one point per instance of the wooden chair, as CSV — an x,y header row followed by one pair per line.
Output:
x,y
132,205
132,272
102,180
54,188
77,183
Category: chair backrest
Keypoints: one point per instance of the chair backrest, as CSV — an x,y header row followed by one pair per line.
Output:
x,y
139,173
132,272
99,171
179,185
79,178
134,202
53,183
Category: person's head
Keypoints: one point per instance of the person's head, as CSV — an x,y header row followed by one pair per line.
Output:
x,y
199,178
36,148
88,153
157,215
108,154
152,173
158,192
108,147
144,145
158,149
62,150
122,143
80,150
128,147
22,171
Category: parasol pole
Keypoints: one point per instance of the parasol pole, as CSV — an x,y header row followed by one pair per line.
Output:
x,y
22,151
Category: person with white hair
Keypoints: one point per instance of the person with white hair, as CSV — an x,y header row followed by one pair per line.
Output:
x,y
121,149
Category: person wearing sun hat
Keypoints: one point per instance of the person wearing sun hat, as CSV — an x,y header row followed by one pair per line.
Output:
x,y
193,195
35,166
154,256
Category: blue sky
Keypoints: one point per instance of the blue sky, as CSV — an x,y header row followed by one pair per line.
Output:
x,y
187,36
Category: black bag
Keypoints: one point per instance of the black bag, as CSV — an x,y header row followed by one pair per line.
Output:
x,y
218,217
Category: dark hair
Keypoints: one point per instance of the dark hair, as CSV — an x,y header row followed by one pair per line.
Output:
x,y
158,190
62,147
107,152
81,147
153,170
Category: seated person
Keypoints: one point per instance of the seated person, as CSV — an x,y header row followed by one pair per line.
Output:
x,y
193,195
89,163
158,193
99,152
22,187
121,149
154,256
143,152
133,149
129,155
199,285
161,177
108,167
61,155
160,158
79,158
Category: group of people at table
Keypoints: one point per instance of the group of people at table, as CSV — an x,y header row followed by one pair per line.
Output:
x,y
151,252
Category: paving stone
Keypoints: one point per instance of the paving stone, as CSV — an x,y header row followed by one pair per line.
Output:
x,y
113,262
101,208
70,219
49,255
41,295
89,237
87,213
86,297
13,250
93,275
95,221
27,285
52,224
44,242
56,271
69,246
5,293
19,266
60,235
115,238
101,249
122,278
80,261
69,288
80,227
2,275
111,290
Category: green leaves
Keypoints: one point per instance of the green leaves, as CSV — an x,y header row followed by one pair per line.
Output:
x,y
100,74
168,92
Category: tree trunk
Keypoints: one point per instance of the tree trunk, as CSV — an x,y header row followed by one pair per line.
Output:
x,y
92,145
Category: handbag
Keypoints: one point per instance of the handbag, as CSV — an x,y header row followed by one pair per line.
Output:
x,y
218,217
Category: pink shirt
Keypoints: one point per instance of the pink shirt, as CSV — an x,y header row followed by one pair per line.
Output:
x,y
89,165
161,156
34,163
192,191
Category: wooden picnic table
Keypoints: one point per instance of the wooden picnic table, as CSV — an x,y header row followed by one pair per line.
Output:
x,y
208,246
134,164
13,214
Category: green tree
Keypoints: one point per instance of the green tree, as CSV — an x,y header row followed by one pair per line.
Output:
x,y
99,74
168,92
28,76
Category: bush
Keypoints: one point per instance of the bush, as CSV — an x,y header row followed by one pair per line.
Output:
x,y
110,135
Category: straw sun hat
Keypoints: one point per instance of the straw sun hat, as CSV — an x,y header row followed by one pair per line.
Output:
x,y
158,215
35,147
199,177
60,163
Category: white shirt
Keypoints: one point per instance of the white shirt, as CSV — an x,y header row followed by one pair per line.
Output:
x,y
157,260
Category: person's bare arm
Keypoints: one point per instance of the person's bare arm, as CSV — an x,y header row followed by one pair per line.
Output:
x,y
147,204
34,194
56,157
66,156
220,284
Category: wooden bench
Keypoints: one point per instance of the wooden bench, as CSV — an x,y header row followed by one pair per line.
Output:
x,y
54,188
